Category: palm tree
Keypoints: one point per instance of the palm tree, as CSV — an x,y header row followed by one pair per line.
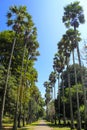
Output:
x,y
85,84
28,31
71,34
47,96
73,16
65,49
58,65
16,17
29,53
52,79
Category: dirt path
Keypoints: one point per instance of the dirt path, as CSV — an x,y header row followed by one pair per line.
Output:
x,y
42,126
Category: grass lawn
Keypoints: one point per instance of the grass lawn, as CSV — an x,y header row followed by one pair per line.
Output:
x,y
8,123
64,128
55,127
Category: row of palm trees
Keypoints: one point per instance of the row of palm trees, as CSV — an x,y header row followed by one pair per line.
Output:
x,y
20,21
73,17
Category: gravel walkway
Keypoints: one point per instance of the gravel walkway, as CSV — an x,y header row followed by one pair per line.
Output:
x,y
42,126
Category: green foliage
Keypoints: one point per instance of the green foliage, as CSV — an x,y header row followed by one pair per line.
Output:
x,y
73,91
36,104
72,74
71,11
22,74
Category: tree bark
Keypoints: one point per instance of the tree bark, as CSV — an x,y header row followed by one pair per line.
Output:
x,y
59,101
64,115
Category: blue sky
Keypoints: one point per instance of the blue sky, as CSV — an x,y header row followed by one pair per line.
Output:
x,y
47,16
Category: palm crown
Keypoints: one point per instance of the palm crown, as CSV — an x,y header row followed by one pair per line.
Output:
x,y
73,15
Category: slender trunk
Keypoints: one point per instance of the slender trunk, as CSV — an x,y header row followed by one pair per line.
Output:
x,y
16,110
21,86
6,83
54,91
58,101
70,97
64,115
47,112
23,120
17,105
84,92
54,102
77,95
85,102
24,106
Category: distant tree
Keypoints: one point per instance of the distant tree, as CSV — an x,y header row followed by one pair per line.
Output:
x,y
47,96
52,79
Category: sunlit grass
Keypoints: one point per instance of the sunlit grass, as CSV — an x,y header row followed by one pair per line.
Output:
x,y
56,127
26,128
9,127
8,124
64,128
29,126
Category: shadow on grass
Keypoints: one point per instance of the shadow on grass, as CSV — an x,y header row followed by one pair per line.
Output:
x,y
56,125
48,124
24,129
7,128
10,128
17,128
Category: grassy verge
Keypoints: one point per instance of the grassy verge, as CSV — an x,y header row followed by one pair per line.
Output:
x,y
7,125
56,127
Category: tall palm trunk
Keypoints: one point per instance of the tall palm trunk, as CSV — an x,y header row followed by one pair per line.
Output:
x,y
18,95
58,100
64,115
6,83
85,100
54,91
24,108
51,92
84,92
70,96
54,102
77,95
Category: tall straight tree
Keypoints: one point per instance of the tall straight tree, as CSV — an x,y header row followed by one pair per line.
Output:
x,y
16,19
18,15
30,41
58,65
74,16
65,49
52,79
70,36
29,30
47,96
